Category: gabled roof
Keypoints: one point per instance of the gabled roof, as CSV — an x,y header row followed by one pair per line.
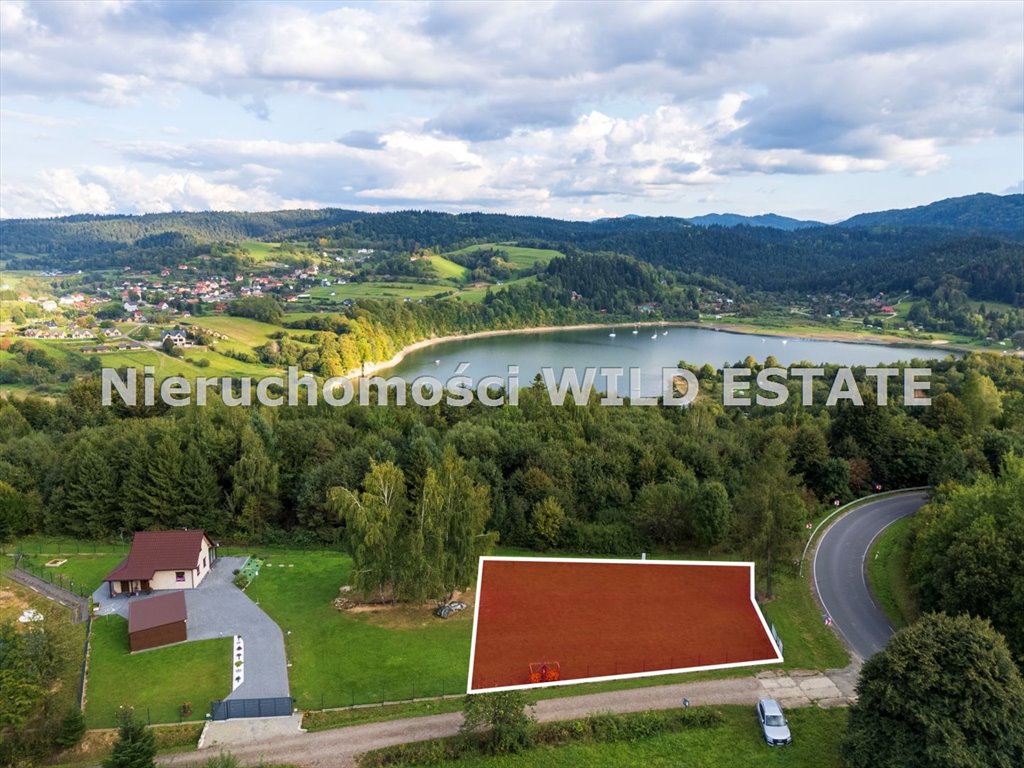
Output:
x,y
154,551
156,611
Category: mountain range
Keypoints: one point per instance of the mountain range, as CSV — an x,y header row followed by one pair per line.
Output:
x,y
772,220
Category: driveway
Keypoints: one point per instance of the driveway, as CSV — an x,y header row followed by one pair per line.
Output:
x,y
217,608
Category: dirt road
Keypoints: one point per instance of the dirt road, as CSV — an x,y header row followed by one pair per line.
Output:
x,y
338,748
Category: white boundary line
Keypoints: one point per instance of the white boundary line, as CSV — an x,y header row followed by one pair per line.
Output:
x,y
627,676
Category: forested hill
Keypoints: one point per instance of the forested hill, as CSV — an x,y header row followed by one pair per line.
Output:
x,y
762,220
977,241
88,234
976,213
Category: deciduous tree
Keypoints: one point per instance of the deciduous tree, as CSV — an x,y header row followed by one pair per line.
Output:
x,y
944,693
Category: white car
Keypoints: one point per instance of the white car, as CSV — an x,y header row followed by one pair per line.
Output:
x,y
773,723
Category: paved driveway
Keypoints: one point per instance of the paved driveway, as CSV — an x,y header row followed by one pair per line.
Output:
x,y
217,608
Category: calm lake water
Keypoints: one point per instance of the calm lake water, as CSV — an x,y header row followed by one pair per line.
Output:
x,y
581,349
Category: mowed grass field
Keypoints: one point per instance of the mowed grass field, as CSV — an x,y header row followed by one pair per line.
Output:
x,y
156,682
340,658
273,252
736,743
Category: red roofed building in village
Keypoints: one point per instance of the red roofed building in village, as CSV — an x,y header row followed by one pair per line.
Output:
x,y
163,560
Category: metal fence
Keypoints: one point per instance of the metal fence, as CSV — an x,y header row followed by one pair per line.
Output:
x,y
279,706
409,690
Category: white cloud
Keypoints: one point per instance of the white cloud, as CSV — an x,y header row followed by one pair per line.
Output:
x,y
119,189
511,104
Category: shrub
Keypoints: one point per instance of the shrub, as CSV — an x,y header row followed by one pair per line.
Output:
x,y
72,728
222,760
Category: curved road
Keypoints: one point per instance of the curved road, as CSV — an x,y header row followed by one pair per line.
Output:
x,y
839,571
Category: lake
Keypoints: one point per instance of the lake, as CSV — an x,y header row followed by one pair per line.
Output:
x,y
580,349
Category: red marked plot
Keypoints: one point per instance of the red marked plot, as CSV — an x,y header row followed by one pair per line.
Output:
x,y
599,619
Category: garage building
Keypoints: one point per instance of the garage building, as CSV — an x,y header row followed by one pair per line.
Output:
x,y
157,621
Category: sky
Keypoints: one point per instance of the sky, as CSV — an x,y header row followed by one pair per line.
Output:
x,y
572,110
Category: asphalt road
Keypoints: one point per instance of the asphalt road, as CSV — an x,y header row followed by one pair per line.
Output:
x,y
840,580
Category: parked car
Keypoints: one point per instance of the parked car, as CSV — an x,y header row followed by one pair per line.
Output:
x,y
774,725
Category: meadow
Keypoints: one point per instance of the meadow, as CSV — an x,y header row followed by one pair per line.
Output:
x,y
448,270
516,255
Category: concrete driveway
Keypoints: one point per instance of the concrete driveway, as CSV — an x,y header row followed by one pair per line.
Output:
x,y
217,608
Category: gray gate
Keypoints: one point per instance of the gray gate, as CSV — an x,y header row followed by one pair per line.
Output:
x,y
278,706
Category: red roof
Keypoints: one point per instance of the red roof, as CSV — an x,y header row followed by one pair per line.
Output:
x,y
156,612
154,551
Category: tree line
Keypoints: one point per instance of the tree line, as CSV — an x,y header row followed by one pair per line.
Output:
x,y
587,479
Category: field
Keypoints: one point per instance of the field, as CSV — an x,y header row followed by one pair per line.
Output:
x,y
377,290
344,658
250,332
448,270
521,258
475,295
736,743
603,619
888,563
263,252
156,682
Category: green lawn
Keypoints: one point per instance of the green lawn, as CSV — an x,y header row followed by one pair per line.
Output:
x,y
888,563
736,743
154,682
81,573
341,658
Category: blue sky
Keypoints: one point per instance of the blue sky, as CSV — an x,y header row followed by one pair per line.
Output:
x,y
573,110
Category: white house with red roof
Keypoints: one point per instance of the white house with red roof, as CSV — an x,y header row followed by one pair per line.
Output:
x,y
163,560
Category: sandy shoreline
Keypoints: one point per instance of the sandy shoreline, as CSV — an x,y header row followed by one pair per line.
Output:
x,y
371,369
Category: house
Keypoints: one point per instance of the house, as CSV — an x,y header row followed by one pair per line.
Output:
x,y
163,560
178,338
157,621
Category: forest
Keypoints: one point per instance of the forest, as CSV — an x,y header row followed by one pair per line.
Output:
x,y
978,240
578,479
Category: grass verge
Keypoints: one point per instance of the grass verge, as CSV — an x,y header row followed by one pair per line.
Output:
x,y
888,565
735,742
